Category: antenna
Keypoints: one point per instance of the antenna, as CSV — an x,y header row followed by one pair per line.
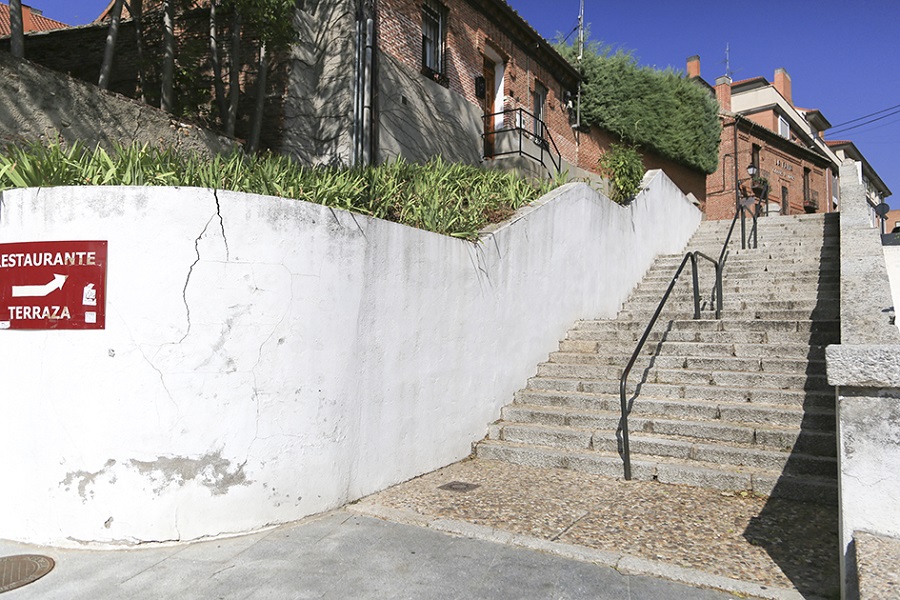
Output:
x,y
728,71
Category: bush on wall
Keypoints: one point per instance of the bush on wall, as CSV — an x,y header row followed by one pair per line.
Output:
x,y
623,167
659,110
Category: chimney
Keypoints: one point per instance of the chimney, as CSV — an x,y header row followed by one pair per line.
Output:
x,y
693,66
723,92
783,84
27,23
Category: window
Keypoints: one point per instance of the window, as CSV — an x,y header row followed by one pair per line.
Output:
x,y
784,130
434,23
754,155
539,97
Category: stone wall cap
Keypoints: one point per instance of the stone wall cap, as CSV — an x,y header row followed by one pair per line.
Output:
x,y
868,365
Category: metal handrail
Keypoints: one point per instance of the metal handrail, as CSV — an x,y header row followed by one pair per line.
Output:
x,y
692,256
543,141
623,381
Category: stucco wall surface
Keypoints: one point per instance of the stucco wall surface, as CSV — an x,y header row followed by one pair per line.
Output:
x,y
266,359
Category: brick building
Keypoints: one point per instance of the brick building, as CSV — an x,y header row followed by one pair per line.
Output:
x,y
761,126
32,20
367,81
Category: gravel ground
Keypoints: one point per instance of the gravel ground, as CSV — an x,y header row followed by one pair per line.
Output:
x,y
772,542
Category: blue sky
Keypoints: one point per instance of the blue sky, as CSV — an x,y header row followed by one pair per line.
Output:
x,y
843,57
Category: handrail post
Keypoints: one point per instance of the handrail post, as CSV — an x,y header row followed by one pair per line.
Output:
x,y
719,267
743,229
756,227
693,256
626,450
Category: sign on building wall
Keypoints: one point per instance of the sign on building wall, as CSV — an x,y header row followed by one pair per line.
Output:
x,y
53,285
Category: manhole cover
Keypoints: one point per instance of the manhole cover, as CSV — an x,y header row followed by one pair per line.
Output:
x,y
16,571
458,486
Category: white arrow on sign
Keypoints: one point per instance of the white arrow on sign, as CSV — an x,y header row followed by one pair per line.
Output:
x,y
37,291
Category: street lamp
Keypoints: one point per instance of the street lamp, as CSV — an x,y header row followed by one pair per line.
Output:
x,y
746,203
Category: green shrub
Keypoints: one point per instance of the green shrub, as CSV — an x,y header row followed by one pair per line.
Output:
x,y
658,110
623,167
451,199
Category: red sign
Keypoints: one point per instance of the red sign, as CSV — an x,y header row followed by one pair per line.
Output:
x,y
53,285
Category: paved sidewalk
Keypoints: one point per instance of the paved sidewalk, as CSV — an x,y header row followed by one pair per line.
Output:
x,y
340,555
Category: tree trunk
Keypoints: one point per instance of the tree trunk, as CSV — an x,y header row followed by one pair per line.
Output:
x,y
17,41
260,99
167,100
234,72
110,50
137,13
216,63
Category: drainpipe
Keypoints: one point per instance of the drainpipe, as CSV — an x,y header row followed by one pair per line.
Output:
x,y
737,181
367,93
357,84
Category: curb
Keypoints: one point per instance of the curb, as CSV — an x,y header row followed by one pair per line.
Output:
x,y
624,563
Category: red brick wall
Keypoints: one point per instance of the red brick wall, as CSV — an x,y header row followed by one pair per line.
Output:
x,y
782,167
468,31
593,144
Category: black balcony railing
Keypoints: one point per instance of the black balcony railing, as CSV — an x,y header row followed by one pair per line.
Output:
x,y
524,134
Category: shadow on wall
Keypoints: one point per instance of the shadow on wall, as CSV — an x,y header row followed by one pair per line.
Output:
x,y
39,104
318,109
801,536
419,119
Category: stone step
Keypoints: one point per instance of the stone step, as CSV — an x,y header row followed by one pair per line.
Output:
x,y
748,285
678,343
661,331
782,408
682,376
730,325
682,312
669,446
819,443
734,292
754,270
814,489
665,359
797,254
700,367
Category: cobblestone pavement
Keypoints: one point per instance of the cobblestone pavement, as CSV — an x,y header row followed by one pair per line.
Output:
x,y
779,543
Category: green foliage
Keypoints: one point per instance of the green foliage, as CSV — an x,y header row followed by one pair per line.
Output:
x,y
659,110
452,199
271,21
623,167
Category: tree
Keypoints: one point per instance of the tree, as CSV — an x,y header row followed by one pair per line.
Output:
x,y
215,60
109,51
167,97
271,24
17,41
659,110
137,13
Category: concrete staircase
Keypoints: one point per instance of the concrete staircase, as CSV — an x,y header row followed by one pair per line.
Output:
x,y
740,403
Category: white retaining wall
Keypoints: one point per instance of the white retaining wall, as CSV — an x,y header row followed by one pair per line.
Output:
x,y
267,359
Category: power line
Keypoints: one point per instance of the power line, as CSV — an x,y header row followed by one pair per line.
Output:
x,y
878,112
895,110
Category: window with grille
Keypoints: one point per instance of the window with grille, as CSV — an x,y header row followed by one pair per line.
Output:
x,y
434,23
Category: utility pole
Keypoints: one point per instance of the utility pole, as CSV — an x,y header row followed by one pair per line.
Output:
x,y
580,58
